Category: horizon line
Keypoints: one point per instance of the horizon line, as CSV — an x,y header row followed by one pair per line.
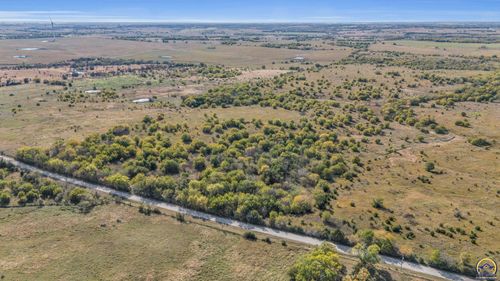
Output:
x,y
248,22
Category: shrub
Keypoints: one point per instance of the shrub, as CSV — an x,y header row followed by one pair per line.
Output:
x,y
77,195
441,130
429,166
180,217
250,236
462,123
479,142
186,138
378,203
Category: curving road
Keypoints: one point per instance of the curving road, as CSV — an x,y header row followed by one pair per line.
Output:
x,y
234,223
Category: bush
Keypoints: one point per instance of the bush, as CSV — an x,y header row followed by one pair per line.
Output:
x,y
180,217
300,205
378,203
429,166
479,142
250,236
441,130
146,210
186,138
77,195
462,123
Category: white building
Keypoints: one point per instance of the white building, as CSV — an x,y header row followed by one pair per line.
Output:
x,y
144,100
93,92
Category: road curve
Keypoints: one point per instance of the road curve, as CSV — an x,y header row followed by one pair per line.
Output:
x,y
234,223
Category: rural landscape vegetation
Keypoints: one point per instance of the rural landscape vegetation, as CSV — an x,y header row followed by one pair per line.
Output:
x,y
380,137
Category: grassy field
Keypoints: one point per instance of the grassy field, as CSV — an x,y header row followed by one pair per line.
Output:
x,y
42,124
469,179
438,48
58,244
179,51
116,242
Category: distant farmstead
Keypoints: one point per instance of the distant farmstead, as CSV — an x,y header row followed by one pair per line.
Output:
x,y
144,100
93,92
299,59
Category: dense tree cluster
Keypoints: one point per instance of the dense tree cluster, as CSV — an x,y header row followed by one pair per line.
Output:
x,y
251,171
292,46
21,188
217,71
422,62
481,89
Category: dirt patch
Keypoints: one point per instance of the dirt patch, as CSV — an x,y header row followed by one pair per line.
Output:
x,y
409,155
261,73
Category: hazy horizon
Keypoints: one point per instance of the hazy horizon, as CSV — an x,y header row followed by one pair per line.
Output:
x,y
259,11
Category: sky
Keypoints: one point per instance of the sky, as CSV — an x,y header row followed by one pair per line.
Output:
x,y
250,11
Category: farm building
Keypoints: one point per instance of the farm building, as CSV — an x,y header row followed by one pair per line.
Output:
x,y
299,59
143,100
93,92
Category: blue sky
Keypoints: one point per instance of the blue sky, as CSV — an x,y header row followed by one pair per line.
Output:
x,y
250,11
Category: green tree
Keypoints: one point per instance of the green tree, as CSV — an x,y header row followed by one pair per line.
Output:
x,y
322,264
199,164
77,195
118,181
50,190
367,255
170,167
4,198
321,199
186,138
435,258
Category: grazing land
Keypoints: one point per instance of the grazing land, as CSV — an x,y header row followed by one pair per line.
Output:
x,y
359,134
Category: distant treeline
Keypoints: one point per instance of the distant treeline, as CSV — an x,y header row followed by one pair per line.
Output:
x,y
95,61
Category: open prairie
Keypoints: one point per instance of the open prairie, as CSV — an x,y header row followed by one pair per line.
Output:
x,y
341,132
114,237
242,55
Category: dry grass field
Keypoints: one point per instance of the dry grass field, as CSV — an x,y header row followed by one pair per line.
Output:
x,y
58,243
179,51
42,124
468,183
438,48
